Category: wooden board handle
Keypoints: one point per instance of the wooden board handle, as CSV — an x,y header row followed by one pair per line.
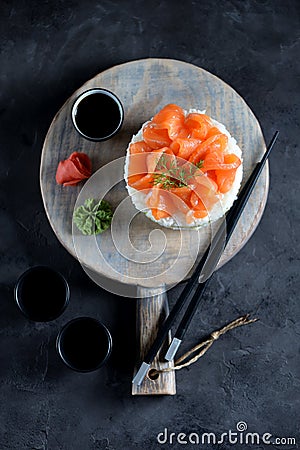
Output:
x,y
152,310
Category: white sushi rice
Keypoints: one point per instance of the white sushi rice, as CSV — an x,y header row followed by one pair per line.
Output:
x,y
139,198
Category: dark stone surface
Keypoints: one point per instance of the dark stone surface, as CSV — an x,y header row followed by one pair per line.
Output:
x,y
48,49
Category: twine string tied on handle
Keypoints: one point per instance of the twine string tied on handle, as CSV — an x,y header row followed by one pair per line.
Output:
x,y
205,345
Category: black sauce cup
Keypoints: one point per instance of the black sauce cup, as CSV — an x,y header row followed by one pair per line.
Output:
x,y
97,114
42,293
84,344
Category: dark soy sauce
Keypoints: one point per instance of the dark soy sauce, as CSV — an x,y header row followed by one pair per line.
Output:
x,y
98,115
42,294
84,344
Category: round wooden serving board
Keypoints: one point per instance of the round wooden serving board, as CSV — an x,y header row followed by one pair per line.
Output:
x,y
144,87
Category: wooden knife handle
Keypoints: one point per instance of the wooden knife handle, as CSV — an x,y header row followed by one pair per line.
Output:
x,y
152,309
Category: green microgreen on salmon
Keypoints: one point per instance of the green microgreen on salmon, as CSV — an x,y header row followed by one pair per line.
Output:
x,y
171,175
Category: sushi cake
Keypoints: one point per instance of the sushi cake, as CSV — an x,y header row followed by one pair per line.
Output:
x,y
183,169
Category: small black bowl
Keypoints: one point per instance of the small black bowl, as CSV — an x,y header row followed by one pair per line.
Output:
x,y
42,293
97,114
84,344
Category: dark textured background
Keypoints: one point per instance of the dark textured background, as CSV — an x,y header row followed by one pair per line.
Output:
x,y
48,49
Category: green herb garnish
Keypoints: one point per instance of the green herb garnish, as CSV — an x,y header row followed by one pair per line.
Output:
x,y
171,175
93,217
200,163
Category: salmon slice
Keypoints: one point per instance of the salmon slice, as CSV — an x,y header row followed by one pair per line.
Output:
x,y
139,147
212,160
191,215
215,142
181,199
196,202
206,190
198,207
154,157
200,214
134,178
216,160
211,174
141,182
212,132
138,164
155,137
159,213
184,193
225,178
170,118
198,125
201,179
138,158
160,203
170,201
184,147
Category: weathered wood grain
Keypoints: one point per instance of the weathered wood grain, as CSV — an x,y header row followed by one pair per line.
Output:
x,y
152,310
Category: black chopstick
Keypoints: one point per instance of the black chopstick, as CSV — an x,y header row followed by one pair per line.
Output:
x,y
168,323
193,282
231,221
